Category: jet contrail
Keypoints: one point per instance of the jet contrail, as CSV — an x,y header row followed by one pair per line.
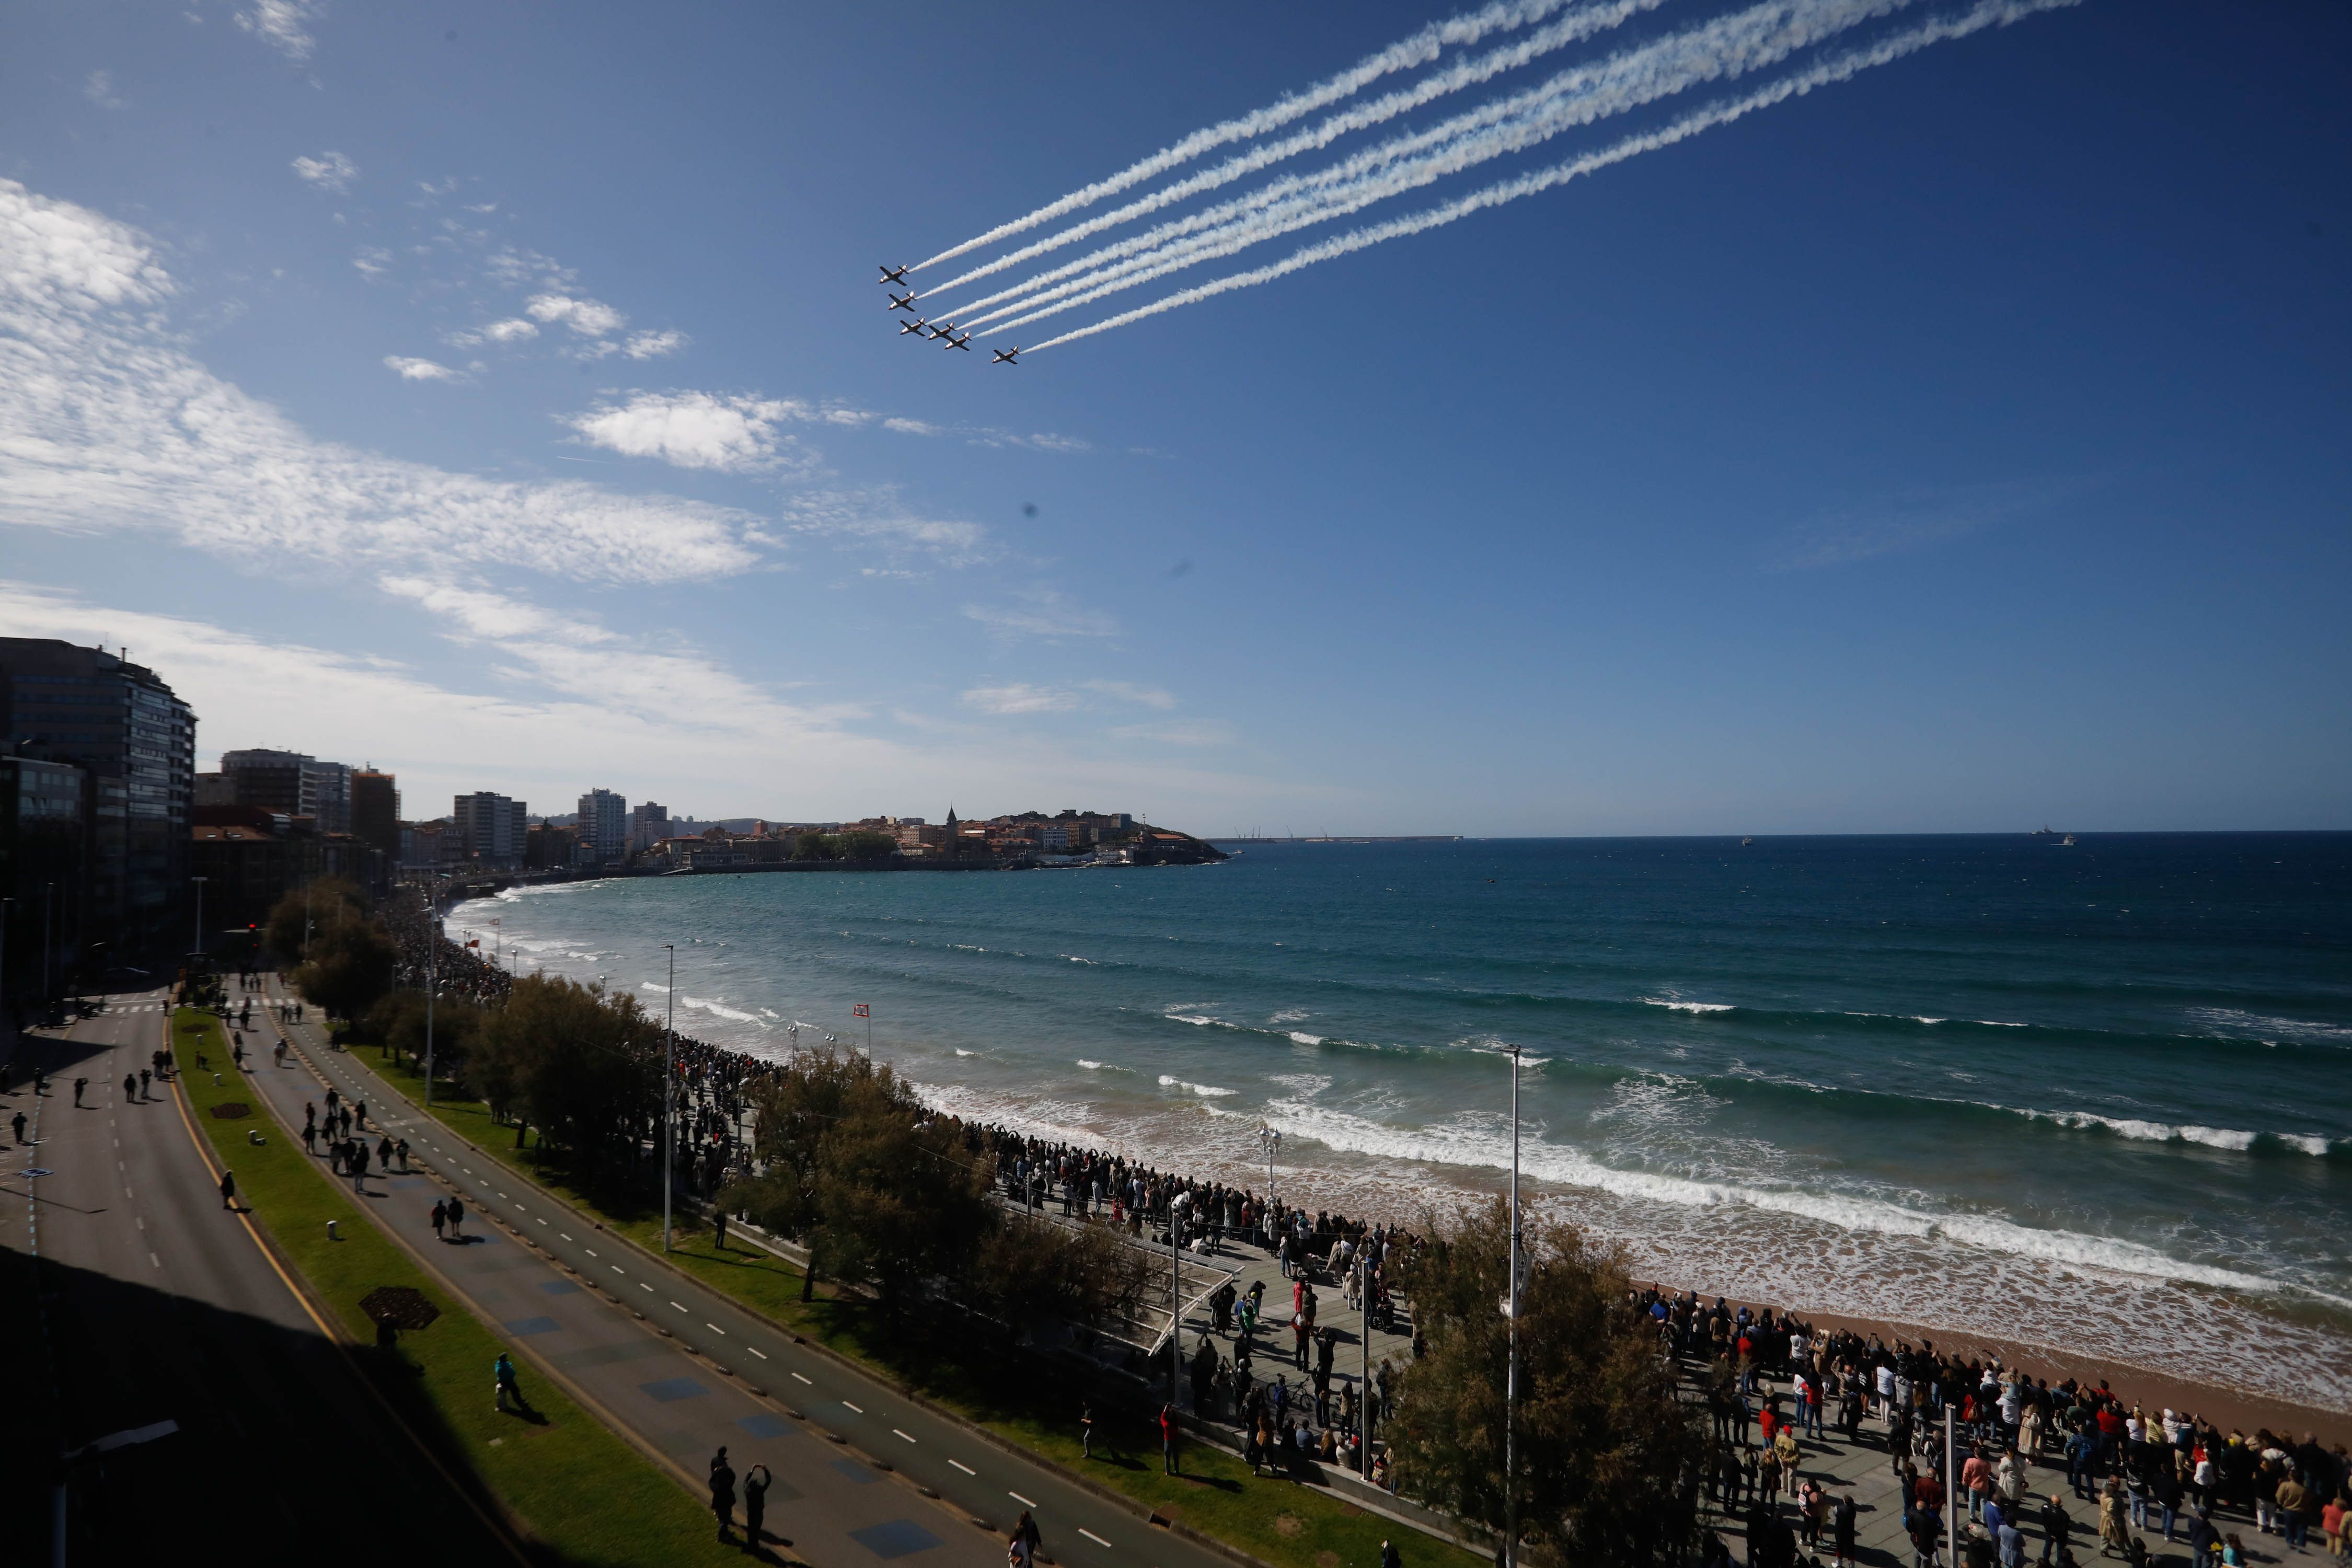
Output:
x,y
1986,14
1569,29
1732,45
1502,15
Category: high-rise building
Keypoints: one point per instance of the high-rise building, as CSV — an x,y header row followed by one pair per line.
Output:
x,y
648,825
135,743
604,823
491,828
291,784
376,811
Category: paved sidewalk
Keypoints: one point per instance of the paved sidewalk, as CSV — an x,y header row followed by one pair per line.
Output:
x,y
571,1296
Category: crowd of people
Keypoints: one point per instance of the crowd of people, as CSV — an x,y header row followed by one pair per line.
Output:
x,y
1767,1379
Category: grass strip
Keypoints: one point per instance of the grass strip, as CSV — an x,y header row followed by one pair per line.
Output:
x,y
1284,1522
584,1492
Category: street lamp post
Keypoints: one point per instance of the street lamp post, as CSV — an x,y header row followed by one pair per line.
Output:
x,y
1271,1138
47,889
199,948
669,1038
432,984
3,956
1511,1382
1364,1384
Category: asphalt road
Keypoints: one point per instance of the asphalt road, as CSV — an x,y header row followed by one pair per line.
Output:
x,y
152,1303
826,1499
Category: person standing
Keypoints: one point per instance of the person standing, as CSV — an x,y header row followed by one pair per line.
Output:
x,y
456,1219
80,1084
755,1505
440,1218
1167,1439
1086,1429
722,1493
2057,1525
228,1187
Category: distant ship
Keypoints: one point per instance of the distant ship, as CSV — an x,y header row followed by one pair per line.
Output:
x,y
2045,831
1746,842
2065,842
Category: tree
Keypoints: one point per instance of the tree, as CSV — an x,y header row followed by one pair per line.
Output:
x,y
347,966
1028,1270
817,846
583,1068
1605,1444
398,1021
318,906
868,844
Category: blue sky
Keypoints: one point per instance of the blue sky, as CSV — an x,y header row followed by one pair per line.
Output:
x,y
504,396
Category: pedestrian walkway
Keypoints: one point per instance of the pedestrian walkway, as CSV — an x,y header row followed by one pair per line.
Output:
x,y
862,1471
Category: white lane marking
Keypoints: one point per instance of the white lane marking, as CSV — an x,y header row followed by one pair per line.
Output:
x,y
854,1407
896,1433
803,1380
672,1303
568,1238
641,1285
1098,1539
155,1260
542,1222
519,1208
1023,1501
959,1465
757,1352
712,1327
589,1250
140,1220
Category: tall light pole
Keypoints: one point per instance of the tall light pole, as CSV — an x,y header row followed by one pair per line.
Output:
x,y
199,948
1272,1139
4,957
47,889
1364,1387
1175,1303
432,983
1511,1382
669,1038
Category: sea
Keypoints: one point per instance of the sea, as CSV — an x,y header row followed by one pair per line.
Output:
x,y
2090,1097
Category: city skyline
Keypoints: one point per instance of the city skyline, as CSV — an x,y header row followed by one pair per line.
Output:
x,y
1950,448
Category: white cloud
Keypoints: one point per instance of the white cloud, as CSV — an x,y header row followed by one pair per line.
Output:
x,y
1126,691
484,614
589,318
372,261
654,346
279,24
513,330
107,425
877,517
417,369
1181,733
1044,612
1019,698
98,87
329,171
691,429
915,428
1899,523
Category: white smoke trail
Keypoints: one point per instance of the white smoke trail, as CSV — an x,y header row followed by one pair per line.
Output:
x,y
1408,54
1732,45
1569,29
1986,14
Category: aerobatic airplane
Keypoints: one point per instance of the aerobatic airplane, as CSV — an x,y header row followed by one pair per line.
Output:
x,y
903,301
1004,356
920,327
895,275
963,343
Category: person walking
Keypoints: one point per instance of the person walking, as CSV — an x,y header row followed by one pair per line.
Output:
x,y
1167,1439
456,1219
722,1494
18,1121
755,1505
228,1188
505,1386
1026,1540
1086,1429
143,1076
80,1084
440,1218
1389,1556
130,1087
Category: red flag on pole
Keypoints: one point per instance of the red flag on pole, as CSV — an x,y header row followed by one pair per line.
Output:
x,y
862,1011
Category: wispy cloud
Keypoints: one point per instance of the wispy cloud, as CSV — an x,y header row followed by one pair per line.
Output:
x,y
280,25
693,430
409,368
1916,520
123,430
513,330
1180,733
877,517
327,171
1126,691
655,346
1044,612
589,318
1019,698
484,614
98,87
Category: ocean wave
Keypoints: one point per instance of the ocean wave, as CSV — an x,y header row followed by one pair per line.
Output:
x,y
1290,1016
1465,1142
1690,1006
1301,1037
2264,1029
962,1052
716,1008
1074,957
2232,1138
1203,1021
653,986
1207,1090
1092,1065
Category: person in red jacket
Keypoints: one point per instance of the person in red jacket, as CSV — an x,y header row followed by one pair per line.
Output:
x,y
1167,1439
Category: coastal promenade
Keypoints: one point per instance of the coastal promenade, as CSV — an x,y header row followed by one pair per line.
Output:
x,y
861,1471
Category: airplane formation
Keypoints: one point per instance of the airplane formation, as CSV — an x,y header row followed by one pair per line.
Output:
x,y
943,332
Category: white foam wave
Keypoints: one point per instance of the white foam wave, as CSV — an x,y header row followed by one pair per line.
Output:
x,y
2236,1022
1470,1142
1208,1090
962,1052
653,986
1690,1006
716,1008
1201,1020
1074,957
1290,1016
1300,1036
2235,1139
